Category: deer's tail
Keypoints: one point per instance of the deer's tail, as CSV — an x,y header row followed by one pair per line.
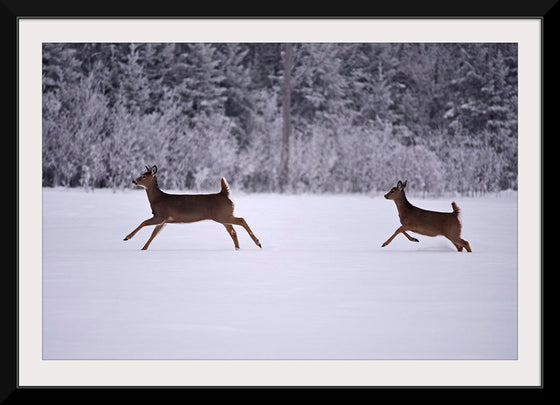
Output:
x,y
225,187
455,207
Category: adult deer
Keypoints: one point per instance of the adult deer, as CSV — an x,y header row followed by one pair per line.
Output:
x,y
424,222
186,208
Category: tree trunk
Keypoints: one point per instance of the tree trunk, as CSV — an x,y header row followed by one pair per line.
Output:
x,y
286,128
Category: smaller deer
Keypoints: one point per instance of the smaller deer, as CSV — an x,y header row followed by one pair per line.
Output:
x,y
185,208
424,222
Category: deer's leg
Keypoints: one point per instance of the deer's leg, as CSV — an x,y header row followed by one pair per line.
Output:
x,y
410,238
151,221
154,233
399,230
466,245
243,223
233,235
459,247
460,243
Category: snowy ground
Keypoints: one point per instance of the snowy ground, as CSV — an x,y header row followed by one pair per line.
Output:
x,y
321,288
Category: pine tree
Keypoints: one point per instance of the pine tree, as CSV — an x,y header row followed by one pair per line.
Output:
x,y
134,83
238,104
319,87
201,81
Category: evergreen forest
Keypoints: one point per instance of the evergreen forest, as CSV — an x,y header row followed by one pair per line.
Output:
x,y
271,117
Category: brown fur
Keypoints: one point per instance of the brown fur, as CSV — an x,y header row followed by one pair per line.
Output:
x,y
424,222
186,208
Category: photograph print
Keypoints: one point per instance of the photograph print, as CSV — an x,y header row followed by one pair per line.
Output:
x,y
279,201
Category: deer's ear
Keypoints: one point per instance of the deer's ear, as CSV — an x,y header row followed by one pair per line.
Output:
x,y
400,186
154,169
404,184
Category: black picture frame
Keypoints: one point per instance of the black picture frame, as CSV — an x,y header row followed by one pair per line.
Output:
x,y
11,11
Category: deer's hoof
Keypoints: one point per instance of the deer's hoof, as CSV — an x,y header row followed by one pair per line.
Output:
x,y
125,238
415,240
260,245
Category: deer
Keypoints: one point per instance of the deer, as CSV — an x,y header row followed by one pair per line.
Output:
x,y
187,208
424,222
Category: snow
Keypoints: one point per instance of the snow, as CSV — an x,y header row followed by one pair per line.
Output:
x,y
320,288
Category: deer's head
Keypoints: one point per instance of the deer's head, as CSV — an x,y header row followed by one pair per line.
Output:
x,y
397,191
146,178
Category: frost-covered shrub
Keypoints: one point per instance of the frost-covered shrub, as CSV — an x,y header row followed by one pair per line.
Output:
x,y
416,164
76,120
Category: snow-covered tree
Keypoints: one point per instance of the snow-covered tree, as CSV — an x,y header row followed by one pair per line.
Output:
x,y
443,115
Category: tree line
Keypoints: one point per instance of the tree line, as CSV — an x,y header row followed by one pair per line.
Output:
x,y
359,116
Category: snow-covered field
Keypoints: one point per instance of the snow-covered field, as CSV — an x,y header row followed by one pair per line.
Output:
x,y
320,288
